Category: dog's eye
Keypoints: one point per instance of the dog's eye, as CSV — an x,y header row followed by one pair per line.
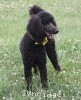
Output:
x,y
48,22
50,19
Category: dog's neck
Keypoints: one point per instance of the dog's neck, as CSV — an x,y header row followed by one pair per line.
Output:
x,y
36,43
31,36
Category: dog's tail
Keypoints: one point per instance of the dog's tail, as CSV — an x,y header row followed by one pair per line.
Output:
x,y
35,9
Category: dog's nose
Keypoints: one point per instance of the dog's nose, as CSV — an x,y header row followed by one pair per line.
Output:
x,y
56,31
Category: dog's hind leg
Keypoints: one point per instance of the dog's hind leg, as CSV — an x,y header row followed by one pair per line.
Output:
x,y
27,71
28,75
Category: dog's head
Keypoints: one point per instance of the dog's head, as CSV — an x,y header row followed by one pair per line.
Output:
x,y
41,24
49,24
34,10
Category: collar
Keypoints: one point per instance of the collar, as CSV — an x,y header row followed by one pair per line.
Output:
x,y
31,36
43,42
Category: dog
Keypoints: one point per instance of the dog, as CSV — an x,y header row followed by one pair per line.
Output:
x,y
37,41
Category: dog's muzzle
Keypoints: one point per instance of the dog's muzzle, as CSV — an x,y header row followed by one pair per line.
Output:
x,y
50,30
49,35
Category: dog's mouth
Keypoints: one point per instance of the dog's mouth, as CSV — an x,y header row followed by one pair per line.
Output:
x,y
50,35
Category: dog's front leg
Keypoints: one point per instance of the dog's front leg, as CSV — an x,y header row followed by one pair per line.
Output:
x,y
43,70
43,76
51,52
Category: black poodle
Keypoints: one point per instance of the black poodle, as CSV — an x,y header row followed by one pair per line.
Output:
x,y
38,40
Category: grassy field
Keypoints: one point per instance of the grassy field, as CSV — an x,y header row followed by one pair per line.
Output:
x,y
65,85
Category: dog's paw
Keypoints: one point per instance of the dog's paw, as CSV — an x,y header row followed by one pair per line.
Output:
x,y
58,68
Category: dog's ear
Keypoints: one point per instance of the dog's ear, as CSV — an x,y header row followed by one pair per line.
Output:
x,y
35,28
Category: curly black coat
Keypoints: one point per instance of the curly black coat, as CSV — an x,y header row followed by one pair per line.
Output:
x,y
41,25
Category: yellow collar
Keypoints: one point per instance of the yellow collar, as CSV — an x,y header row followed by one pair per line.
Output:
x,y
43,42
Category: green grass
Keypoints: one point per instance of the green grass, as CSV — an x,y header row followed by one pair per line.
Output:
x,y
65,85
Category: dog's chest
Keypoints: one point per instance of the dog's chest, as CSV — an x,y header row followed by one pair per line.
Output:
x,y
37,49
